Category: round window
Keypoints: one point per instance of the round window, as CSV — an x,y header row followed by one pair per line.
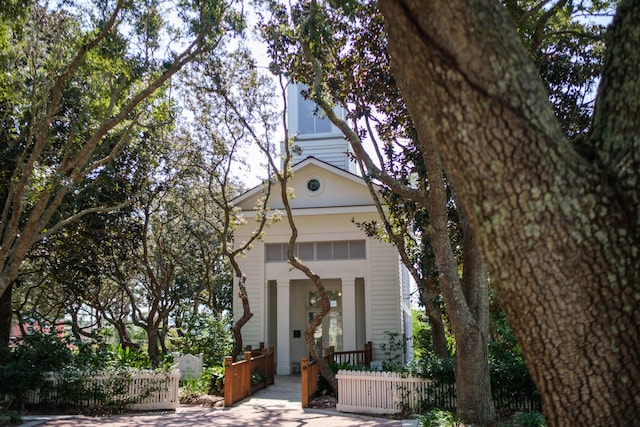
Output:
x,y
313,184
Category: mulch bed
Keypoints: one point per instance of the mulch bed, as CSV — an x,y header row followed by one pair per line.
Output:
x,y
205,401
322,402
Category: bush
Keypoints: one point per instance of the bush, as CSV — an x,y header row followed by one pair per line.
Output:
x,y
393,351
511,385
29,366
213,377
209,335
23,368
211,382
529,419
439,418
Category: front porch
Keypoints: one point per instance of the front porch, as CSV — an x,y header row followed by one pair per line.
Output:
x,y
292,303
237,378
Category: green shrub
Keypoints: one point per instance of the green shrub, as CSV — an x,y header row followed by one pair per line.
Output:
x,y
37,358
256,378
206,334
24,367
129,358
439,418
212,380
15,418
393,351
529,419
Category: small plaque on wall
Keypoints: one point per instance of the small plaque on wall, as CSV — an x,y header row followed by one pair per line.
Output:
x,y
296,333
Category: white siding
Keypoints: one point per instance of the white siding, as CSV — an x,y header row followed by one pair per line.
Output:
x,y
384,295
332,151
405,307
254,331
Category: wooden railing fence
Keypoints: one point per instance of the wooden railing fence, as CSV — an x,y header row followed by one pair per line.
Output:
x,y
243,378
310,371
352,358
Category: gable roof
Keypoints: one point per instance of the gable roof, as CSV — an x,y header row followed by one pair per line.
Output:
x,y
338,189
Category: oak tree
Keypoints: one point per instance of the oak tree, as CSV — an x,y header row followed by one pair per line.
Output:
x,y
79,84
557,224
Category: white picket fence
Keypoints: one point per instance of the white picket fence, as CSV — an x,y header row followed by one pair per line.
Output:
x,y
155,390
148,389
367,392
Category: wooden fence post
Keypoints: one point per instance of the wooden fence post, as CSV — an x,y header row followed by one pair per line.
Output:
x,y
272,365
265,360
304,379
328,352
368,354
246,384
228,381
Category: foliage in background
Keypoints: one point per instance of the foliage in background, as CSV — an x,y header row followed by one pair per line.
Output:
x,y
439,418
566,42
443,418
393,350
209,335
423,338
80,84
529,419
510,378
211,382
48,352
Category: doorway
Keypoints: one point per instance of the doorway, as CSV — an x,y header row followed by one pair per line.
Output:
x,y
329,332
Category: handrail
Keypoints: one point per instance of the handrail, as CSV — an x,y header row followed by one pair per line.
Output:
x,y
238,375
310,372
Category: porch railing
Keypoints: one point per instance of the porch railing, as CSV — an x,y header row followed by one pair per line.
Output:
x,y
310,371
243,378
352,358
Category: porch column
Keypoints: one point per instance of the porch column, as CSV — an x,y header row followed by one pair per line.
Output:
x,y
349,314
284,358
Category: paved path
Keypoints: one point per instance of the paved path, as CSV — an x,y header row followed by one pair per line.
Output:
x,y
277,405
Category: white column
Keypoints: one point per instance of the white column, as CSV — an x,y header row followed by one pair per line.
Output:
x,y
284,358
349,314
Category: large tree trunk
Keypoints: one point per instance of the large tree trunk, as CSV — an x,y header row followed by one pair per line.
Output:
x,y
434,317
123,336
467,308
236,329
153,349
6,312
429,292
558,229
472,346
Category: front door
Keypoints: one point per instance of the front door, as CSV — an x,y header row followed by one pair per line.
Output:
x,y
329,333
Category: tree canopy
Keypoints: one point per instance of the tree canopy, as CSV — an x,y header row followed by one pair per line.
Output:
x,y
82,82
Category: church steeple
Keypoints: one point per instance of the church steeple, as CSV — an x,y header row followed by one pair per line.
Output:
x,y
314,133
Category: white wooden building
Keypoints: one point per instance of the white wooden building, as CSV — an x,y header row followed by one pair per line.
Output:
x,y
367,284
